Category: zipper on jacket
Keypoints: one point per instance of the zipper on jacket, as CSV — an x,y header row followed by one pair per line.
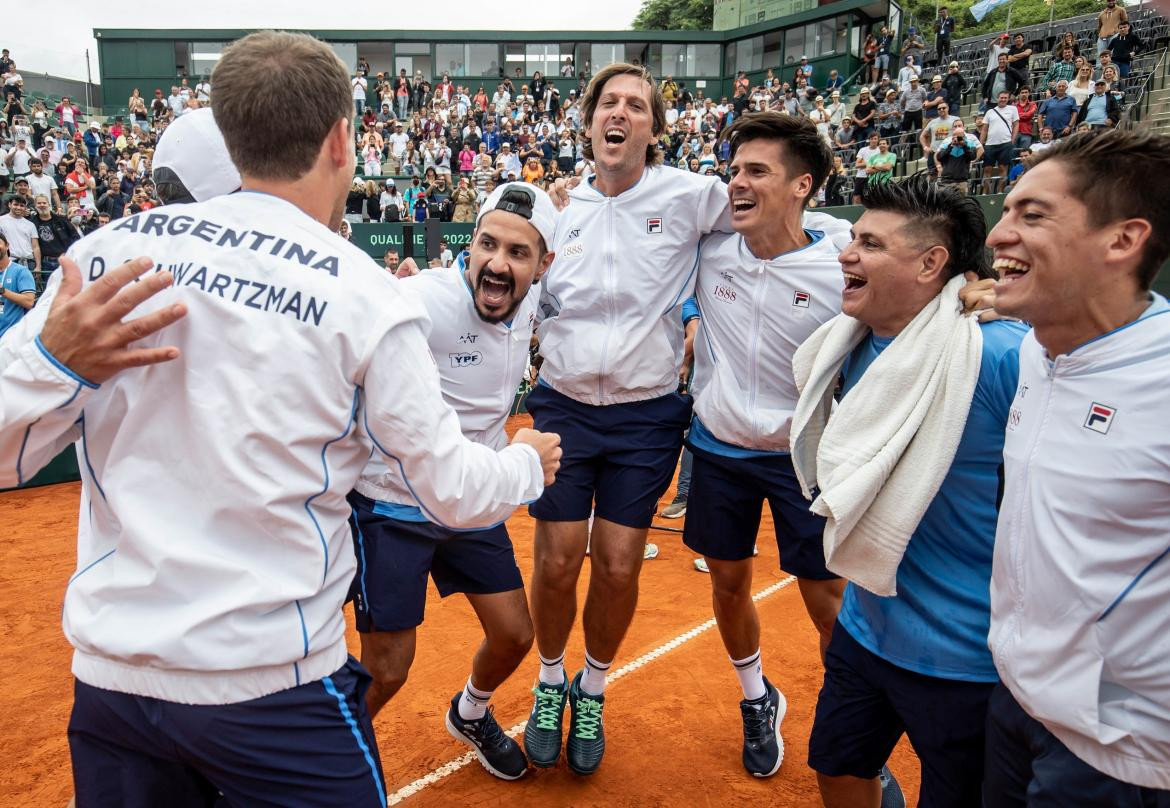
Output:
x,y
507,369
1016,544
754,349
607,293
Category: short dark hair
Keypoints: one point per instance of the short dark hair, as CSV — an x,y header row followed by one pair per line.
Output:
x,y
1121,174
803,150
273,76
18,200
938,213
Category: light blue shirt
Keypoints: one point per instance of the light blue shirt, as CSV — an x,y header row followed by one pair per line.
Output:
x,y
938,623
16,279
1096,111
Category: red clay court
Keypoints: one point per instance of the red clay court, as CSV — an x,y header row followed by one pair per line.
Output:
x,y
672,707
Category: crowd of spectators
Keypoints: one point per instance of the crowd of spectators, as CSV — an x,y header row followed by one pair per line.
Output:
x,y
455,142
63,174
451,143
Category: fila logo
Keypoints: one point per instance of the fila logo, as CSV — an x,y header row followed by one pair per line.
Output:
x,y
1100,418
801,299
653,225
465,360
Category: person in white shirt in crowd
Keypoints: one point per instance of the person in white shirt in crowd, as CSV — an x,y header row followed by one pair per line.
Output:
x,y
1080,589
176,102
203,91
909,70
482,316
1044,142
23,245
998,45
360,85
41,184
745,394
1001,124
612,340
157,666
861,174
397,140
507,162
19,158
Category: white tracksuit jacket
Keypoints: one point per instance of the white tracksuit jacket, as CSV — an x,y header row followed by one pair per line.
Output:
x,y
755,314
610,330
480,366
213,548
1080,586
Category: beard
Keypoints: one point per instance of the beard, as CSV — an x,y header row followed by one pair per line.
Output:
x,y
486,274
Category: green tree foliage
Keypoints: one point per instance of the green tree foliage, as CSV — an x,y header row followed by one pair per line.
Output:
x,y
675,15
1023,13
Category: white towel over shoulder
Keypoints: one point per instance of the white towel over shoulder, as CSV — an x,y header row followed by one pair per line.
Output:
x,y
881,458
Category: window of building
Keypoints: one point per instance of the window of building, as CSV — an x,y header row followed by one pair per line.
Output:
x,y
638,53
748,54
468,60
703,60
346,52
205,55
606,53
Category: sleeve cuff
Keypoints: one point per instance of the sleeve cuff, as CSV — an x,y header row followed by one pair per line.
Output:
x,y
61,367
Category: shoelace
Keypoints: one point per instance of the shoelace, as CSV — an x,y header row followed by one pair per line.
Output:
x,y
489,729
755,724
588,718
548,708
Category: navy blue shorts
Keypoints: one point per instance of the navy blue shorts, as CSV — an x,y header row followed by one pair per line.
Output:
x,y
394,558
311,745
726,500
867,703
616,461
1029,766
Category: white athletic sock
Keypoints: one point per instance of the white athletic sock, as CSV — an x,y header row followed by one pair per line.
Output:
x,y
593,679
473,703
751,676
552,671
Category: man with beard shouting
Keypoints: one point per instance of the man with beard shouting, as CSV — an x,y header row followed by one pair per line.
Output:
x,y
482,317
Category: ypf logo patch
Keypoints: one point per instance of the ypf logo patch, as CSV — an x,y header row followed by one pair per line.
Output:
x,y
465,359
1100,418
801,299
653,225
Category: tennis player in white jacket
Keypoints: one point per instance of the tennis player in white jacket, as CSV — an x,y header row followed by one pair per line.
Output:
x,y
214,552
1080,588
482,317
612,341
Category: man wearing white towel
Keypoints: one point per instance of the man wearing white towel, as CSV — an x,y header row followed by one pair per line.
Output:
x,y
915,662
1080,629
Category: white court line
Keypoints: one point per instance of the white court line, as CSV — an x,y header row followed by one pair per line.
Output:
x,y
452,766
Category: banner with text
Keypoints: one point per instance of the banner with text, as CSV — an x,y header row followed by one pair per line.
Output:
x,y
377,238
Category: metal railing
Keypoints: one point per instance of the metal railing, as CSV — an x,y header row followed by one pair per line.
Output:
x,y
1139,110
